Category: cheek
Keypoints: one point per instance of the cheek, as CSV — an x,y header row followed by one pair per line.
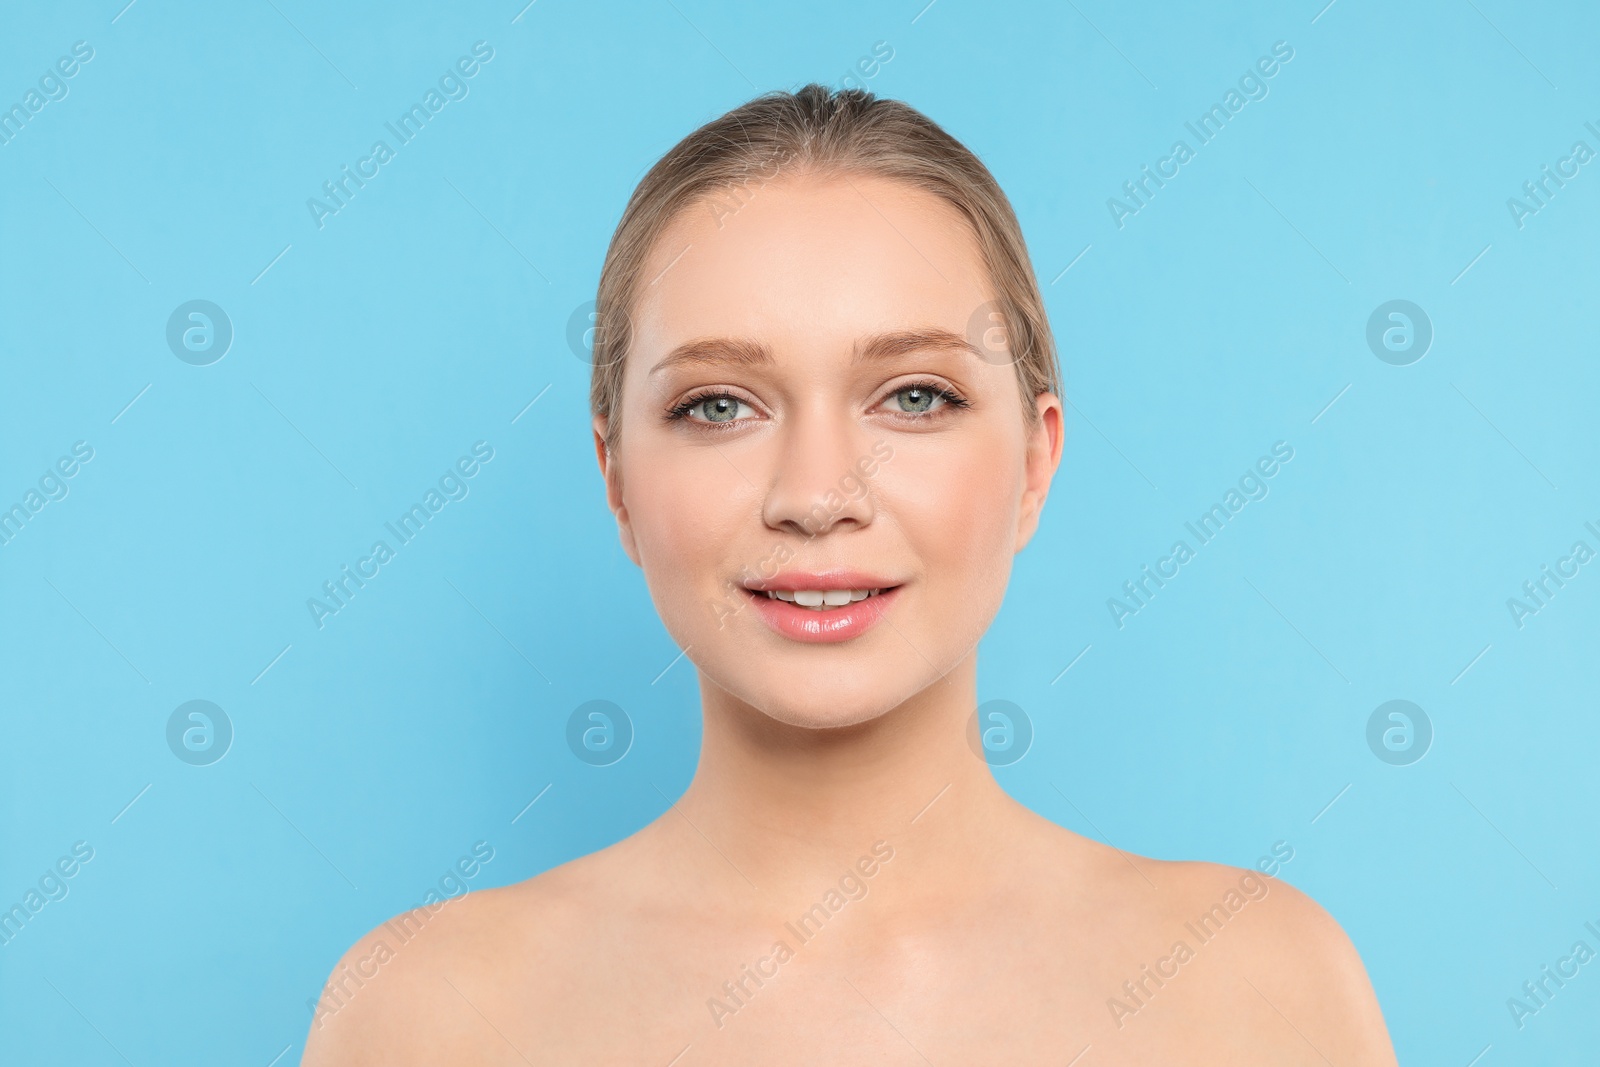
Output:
x,y
684,515
958,509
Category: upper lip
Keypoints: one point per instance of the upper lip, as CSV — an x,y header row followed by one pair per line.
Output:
x,y
790,581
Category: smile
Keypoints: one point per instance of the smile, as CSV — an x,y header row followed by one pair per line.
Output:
x,y
823,607
822,599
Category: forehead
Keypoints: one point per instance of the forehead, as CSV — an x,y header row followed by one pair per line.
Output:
x,y
810,263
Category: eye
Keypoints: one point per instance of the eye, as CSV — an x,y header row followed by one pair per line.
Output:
x,y
917,399
710,407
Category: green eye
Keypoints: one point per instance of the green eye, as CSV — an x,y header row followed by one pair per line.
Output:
x,y
717,409
915,399
712,408
923,398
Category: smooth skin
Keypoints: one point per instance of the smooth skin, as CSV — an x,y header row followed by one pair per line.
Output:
x,y
990,934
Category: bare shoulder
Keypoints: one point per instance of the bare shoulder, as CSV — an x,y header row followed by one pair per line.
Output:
x,y
1227,964
430,985
1280,951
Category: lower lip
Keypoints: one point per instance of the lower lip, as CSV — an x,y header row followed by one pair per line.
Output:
x,y
829,626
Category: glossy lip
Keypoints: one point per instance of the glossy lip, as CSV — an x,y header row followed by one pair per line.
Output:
x,y
831,625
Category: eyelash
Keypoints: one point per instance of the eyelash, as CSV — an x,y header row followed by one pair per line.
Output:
x,y
680,412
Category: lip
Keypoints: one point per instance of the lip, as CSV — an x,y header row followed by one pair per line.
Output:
x,y
831,625
838,578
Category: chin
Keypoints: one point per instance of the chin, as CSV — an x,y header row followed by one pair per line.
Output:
x,y
825,716
801,702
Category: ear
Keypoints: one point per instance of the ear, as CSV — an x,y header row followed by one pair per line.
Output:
x,y
611,473
1043,456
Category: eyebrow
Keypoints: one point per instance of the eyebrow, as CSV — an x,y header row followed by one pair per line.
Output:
x,y
739,351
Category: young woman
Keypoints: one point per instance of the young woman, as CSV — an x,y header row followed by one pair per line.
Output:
x,y
826,409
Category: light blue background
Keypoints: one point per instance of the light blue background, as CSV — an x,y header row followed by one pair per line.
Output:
x,y
1223,317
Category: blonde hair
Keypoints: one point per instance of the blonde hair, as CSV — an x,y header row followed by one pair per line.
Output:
x,y
820,130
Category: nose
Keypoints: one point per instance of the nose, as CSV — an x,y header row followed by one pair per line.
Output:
x,y
817,485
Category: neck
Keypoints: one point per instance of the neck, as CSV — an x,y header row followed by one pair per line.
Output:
x,y
787,804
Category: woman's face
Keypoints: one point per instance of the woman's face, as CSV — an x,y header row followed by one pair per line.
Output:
x,y
810,406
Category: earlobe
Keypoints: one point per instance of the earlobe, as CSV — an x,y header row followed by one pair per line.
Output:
x,y
625,535
611,474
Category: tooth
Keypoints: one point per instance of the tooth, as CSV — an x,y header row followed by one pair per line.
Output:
x,y
808,598
859,594
834,598
784,594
